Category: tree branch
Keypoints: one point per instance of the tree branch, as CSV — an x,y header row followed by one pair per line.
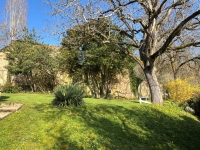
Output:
x,y
116,8
192,59
174,34
184,46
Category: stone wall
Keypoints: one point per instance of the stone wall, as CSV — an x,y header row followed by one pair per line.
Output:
x,y
121,89
3,70
143,89
63,78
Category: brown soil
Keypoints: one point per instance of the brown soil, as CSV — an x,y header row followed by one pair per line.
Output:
x,y
8,108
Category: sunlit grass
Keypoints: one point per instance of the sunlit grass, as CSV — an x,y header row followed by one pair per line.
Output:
x,y
100,124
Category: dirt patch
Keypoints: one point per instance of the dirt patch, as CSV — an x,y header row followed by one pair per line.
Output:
x,y
8,108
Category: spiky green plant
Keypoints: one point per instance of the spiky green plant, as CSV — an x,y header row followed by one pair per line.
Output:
x,y
70,94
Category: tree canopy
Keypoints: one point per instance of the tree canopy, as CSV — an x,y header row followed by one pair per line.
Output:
x,y
32,63
90,61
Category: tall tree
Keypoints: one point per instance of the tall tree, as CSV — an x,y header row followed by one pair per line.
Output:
x,y
15,17
153,26
92,62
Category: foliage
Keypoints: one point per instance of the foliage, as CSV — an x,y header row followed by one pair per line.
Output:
x,y
181,90
32,63
134,80
10,88
67,95
92,61
100,124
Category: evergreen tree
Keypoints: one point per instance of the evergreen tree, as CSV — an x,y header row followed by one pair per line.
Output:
x,y
32,63
92,62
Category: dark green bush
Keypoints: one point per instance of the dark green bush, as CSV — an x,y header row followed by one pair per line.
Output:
x,y
10,88
195,104
66,95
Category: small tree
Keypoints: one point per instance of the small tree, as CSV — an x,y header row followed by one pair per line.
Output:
x,y
33,64
181,90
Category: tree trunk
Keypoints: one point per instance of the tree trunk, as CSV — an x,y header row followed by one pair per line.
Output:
x,y
101,91
156,95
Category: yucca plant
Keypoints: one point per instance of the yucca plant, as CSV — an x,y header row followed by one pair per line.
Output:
x,y
70,94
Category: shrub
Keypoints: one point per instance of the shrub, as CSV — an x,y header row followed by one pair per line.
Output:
x,y
10,88
195,105
66,95
181,90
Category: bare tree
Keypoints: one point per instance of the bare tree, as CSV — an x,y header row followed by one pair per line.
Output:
x,y
3,34
177,64
15,17
154,27
180,60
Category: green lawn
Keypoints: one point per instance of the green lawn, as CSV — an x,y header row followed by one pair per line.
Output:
x,y
99,125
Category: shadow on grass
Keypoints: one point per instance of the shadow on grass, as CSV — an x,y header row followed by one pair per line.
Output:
x,y
3,98
170,132
116,127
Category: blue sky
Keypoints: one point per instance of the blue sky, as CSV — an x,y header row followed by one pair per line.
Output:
x,y
37,17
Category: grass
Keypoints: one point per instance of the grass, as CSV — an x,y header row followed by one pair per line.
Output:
x,y
99,125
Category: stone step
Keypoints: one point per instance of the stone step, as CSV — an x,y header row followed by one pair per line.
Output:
x,y
8,108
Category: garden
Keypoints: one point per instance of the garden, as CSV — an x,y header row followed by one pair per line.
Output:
x,y
84,92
